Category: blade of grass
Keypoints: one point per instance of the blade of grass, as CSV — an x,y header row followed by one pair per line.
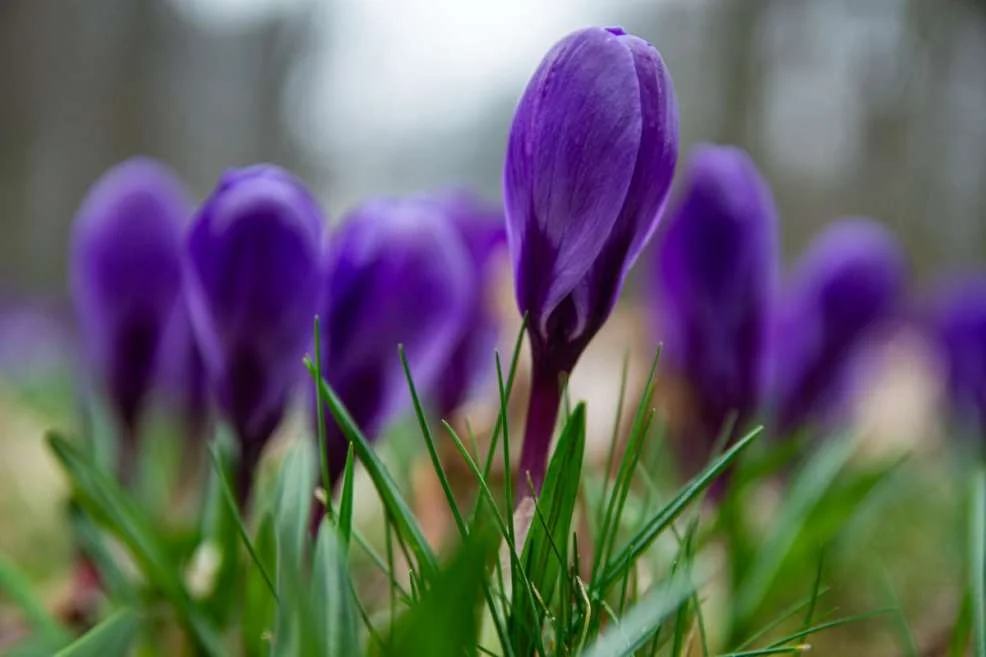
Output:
x,y
615,437
231,504
114,636
332,609
977,560
346,501
430,444
18,588
663,519
387,489
631,456
623,638
542,559
320,422
109,506
803,496
821,627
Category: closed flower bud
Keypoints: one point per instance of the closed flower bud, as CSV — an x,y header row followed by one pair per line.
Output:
x,y
252,275
590,158
957,328
715,270
125,278
849,283
397,274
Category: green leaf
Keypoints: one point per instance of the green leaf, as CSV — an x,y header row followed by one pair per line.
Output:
x,y
18,589
643,620
260,605
346,501
643,538
292,514
336,618
544,557
109,506
387,489
801,499
111,638
445,622
977,560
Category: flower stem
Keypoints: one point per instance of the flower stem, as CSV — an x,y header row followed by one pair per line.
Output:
x,y
542,411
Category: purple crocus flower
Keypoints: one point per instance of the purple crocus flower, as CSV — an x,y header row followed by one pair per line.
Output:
x,y
957,327
470,362
397,273
849,283
715,273
125,278
253,259
590,158
182,381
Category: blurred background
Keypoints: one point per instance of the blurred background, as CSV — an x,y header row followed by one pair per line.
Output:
x,y
849,107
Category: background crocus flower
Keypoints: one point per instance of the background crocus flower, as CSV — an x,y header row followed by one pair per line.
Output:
x,y
471,360
849,283
182,383
125,277
253,259
956,323
590,157
397,273
715,271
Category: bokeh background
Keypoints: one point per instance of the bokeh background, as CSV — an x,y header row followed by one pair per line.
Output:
x,y
849,107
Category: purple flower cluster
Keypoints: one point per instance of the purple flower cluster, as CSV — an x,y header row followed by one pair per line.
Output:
x,y
217,305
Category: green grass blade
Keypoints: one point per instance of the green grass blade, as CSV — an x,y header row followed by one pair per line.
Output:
x,y
638,543
241,528
628,464
346,501
977,560
109,506
821,627
803,496
323,452
445,622
643,620
18,588
335,616
292,515
544,557
430,444
111,638
386,488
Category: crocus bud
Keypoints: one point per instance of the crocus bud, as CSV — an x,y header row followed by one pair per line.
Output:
x,y
715,271
957,328
849,284
125,277
397,274
252,275
471,360
590,157
182,384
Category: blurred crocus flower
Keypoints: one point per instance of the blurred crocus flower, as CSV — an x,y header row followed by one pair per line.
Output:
x,y
182,383
252,277
956,321
849,284
590,158
715,271
125,278
470,362
397,273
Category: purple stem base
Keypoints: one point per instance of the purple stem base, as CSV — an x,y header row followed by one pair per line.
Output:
x,y
542,412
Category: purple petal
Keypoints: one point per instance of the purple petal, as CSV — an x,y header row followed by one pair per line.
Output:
x,y
254,253
570,159
125,273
